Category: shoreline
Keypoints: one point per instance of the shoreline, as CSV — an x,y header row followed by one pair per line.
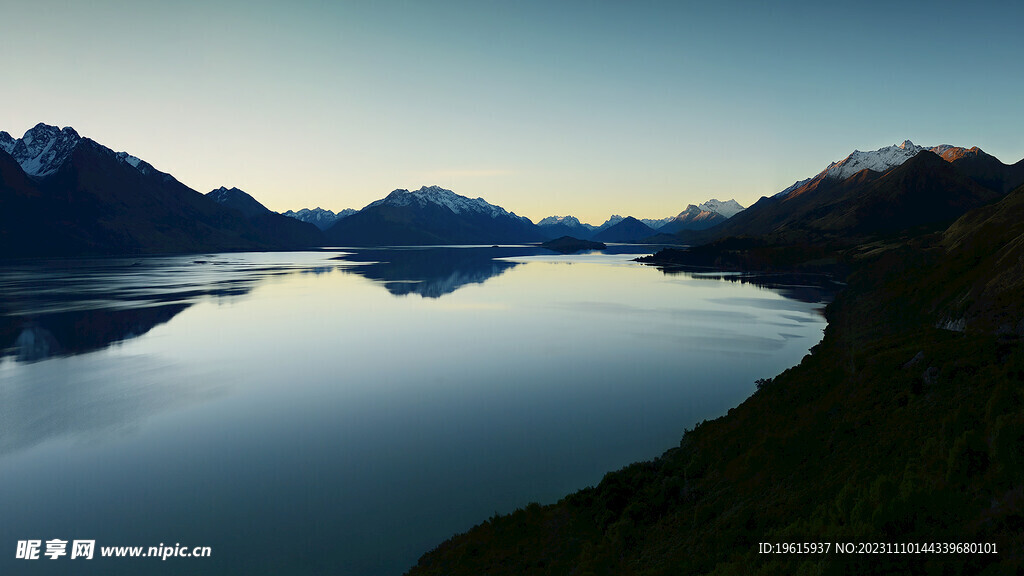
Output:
x,y
877,435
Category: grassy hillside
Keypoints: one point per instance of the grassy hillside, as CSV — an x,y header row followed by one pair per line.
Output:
x,y
904,425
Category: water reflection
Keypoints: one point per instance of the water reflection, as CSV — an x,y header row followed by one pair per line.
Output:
x,y
433,272
63,307
809,288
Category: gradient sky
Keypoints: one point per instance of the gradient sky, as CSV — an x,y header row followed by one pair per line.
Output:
x,y
588,108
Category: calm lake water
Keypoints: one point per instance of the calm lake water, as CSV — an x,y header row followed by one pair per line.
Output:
x,y
304,414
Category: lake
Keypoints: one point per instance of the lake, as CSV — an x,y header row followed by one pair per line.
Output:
x,y
344,411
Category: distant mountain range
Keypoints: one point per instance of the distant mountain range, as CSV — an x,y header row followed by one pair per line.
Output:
x,y
695,217
62,194
322,219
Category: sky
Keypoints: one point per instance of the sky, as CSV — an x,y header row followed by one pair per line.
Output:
x,y
585,108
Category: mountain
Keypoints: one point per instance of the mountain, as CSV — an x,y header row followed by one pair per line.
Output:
x,y
702,216
322,219
558,226
877,160
287,231
42,150
896,188
432,215
238,200
611,221
655,223
63,194
923,191
570,245
983,168
627,230
728,208
693,218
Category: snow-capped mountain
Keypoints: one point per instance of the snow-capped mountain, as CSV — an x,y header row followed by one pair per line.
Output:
x,y
727,208
558,226
656,223
794,186
44,149
432,215
693,218
567,220
446,198
611,221
880,160
319,217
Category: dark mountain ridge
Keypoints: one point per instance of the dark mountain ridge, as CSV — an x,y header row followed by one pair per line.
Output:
x,y
288,232
629,229
84,199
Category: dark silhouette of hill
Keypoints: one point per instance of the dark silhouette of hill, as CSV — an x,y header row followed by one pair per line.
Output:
x,y
628,230
569,245
287,232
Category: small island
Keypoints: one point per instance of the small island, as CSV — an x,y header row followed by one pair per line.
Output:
x,y
569,245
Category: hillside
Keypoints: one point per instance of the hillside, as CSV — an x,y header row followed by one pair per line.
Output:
x,y
904,425
65,195
628,229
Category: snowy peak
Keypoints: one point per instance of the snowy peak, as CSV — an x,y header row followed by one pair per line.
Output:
x,y
553,220
128,159
877,160
795,185
445,198
656,223
44,149
611,221
6,142
694,212
319,217
887,158
882,160
728,208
